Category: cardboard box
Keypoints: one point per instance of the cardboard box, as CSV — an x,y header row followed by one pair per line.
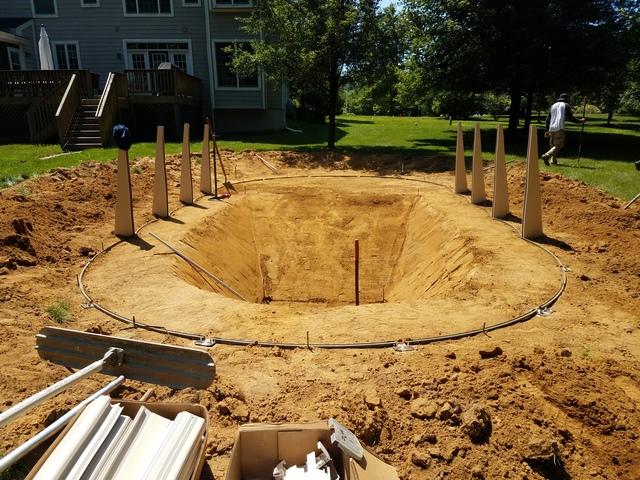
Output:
x,y
259,447
130,408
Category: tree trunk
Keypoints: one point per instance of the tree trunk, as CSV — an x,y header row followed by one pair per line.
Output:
x,y
333,104
528,111
514,109
609,114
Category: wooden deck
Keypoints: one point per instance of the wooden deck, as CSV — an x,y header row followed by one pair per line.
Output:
x,y
29,101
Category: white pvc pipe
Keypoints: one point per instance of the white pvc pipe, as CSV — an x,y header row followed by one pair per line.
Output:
x,y
15,455
28,404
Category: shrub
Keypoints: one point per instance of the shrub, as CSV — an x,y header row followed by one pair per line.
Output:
x,y
58,311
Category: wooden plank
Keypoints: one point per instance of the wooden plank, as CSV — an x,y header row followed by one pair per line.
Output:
x,y
168,365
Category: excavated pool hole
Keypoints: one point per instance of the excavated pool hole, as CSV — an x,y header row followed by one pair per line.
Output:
x,y
297,247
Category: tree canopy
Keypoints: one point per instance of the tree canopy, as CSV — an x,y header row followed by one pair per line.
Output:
x,y
452,57
316,45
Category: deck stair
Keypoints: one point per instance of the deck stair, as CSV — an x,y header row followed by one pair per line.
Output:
x,y
84,131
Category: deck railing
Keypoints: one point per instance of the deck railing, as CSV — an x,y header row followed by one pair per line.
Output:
x,y
165,83
41,114
107,112
70,102
40,83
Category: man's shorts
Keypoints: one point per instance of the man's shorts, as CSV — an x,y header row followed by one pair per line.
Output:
x,y
556,139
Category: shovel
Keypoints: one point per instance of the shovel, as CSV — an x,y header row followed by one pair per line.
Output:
x,y
227,184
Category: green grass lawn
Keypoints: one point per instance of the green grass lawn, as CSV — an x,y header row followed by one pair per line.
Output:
x,y
606,162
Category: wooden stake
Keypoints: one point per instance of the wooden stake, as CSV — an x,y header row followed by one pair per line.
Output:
x,y
500,206
186,181
160,194
357,268
124,208
205,165
477,175
532,208
461,170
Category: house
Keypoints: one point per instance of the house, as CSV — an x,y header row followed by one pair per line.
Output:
x,y
112,49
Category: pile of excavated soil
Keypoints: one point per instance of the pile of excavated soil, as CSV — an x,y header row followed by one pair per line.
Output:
x,y
555,397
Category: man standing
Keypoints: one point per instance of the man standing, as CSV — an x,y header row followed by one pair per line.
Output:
x,y
554,130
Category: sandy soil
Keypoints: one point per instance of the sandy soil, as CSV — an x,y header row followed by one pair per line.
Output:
x,y
563,396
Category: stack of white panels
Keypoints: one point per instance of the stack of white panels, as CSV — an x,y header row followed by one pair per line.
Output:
x,y
104,445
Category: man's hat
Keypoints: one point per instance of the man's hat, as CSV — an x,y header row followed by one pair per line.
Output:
x,y
563,97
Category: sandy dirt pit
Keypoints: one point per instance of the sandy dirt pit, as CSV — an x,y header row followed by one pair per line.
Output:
x,y
562,392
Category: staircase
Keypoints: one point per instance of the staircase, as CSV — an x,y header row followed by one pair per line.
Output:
x,y
84,131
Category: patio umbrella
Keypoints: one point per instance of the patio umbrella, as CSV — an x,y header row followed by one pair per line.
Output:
x,y
44,49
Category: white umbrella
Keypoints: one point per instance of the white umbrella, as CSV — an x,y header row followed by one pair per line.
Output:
x,y
44,49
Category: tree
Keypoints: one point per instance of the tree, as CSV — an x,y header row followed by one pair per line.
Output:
x,y
315,45
519,47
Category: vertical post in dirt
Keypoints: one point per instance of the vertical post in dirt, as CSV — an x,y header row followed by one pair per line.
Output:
x,y
205,166
461,171
477,175
124,209
160,194
212,132
532,210
500,206
357,273
186,181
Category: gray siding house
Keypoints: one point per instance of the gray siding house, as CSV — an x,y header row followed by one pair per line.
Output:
x,y
116,36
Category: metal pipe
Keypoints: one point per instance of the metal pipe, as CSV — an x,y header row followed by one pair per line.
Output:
x,y
15,455
199,267
28,404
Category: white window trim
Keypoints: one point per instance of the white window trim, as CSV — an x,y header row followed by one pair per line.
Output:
x,y
89,5
66,42
199,4
124,10
20,56
215,68
54,15
125,51
233,4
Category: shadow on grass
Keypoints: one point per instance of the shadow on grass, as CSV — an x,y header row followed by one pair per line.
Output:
x,y
348,121
435,154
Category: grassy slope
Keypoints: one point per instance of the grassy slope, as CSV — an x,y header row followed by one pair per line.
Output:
x,y
606,162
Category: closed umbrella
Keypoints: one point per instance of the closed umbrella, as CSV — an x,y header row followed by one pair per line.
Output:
x,y
44,49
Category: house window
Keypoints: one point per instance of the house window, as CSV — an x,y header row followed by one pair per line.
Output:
x,y
89,3
67,56
148,7
44,8
190,3
15,59
143,55
226,77
225,3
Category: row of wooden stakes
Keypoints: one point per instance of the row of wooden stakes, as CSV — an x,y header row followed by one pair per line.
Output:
x,y
532,209
124,226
